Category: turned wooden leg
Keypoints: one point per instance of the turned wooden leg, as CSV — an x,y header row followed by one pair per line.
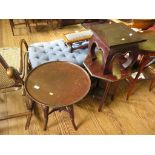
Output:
x,y
30,105
151,84
71,113
46,110
107,87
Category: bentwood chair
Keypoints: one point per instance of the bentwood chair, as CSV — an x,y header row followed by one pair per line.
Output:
x,y
12,75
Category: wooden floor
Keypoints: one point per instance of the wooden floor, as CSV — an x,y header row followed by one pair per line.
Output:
x,y
136,116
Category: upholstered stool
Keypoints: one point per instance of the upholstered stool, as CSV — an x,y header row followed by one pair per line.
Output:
x,y
57,50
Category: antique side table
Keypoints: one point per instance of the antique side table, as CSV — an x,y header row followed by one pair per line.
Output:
x,y
57,85
110,42
113,39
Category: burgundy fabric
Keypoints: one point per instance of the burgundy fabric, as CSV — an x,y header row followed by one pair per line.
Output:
x,y
152,28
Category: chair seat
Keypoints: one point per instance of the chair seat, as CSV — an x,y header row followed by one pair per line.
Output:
x,y
11,56
57,50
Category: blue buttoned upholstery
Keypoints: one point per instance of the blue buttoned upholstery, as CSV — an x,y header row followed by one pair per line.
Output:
x,y
57,50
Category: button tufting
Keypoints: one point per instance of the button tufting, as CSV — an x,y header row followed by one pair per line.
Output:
x,y
55,52
37,57
46,59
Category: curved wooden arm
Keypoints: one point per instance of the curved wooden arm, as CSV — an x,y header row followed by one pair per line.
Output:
x,y
22,42
25,66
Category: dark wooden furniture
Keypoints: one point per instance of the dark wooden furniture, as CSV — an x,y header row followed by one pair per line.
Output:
x,y
57,85
13,24
48,22
147,53
112,39
141,24
118,46
66,22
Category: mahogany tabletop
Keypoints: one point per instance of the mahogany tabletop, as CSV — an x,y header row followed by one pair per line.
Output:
x,y
115,33
57,84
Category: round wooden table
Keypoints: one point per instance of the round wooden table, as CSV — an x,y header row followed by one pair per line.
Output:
x,y
58,85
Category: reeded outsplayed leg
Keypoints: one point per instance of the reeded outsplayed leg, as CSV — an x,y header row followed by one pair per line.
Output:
x,y
70,109
107,87
46,110
30,105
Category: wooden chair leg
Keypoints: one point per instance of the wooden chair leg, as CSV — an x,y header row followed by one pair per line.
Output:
x,y
46,111
151,84
28,24
107,87
12,26
71,113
